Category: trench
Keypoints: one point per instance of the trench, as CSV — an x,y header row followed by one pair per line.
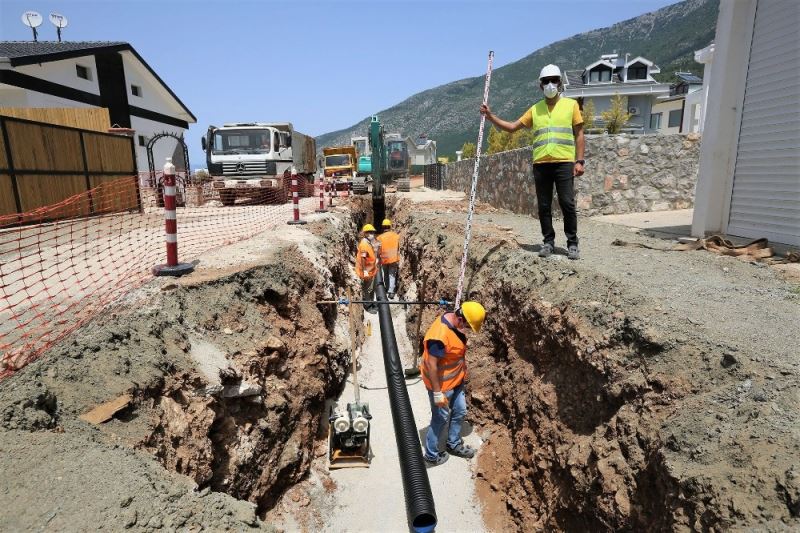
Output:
x,y
559,389
560,393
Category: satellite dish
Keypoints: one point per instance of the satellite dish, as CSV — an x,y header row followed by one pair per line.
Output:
x,y
59,21
33,20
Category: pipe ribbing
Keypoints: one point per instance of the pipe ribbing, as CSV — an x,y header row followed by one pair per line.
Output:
x,y
419,498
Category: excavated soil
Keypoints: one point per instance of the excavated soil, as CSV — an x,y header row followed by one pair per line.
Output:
x,y
228,370
626,391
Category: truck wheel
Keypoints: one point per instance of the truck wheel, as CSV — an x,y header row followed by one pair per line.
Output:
x,y
227,197
359,185
403,184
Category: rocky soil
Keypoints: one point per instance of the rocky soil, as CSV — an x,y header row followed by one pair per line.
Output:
x,y
228,370
634,389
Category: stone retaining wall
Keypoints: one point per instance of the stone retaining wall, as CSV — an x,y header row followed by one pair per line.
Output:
x,y
624,174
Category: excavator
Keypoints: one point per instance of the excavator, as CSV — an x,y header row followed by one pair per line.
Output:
x,y
387,160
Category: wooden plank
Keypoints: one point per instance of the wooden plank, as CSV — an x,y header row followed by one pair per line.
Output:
x,y
104,411
7,205
88,118
116,194
38,191
43,147
109,153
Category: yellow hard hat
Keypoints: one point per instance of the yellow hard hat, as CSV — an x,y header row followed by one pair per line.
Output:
x,y
368,227
473,313
386,222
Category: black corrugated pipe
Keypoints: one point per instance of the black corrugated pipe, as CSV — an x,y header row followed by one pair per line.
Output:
x,y
419,498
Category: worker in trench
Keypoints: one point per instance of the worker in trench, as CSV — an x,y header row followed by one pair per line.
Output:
x,y
367,265
444,371
558,145
390,256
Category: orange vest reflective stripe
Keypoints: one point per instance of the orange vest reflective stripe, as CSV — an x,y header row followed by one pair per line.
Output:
x,y
390,245
452,368
365,256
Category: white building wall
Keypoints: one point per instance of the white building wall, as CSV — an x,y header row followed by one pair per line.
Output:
x,y
163,148
664,108
64,72
154,96
726,84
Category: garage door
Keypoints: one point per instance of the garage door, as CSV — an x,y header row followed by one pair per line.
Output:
x,y
766,182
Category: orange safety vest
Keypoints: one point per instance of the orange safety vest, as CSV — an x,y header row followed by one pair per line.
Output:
x,y
452,369
390,247
365,255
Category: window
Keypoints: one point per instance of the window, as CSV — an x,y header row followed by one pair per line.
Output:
x,y
675,118
655,121
83,72
142,140
599,75
136,90
637,72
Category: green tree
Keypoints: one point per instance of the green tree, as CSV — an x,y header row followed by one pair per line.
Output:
x,y
617,116
498,141
468,150
588,114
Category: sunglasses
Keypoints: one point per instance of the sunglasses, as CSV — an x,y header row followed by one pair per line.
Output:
x,y
551,80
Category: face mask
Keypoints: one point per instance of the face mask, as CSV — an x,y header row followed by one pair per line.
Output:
x,y
550,90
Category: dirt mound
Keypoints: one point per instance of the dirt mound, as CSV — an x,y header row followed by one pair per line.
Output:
x,y
228,376
605,406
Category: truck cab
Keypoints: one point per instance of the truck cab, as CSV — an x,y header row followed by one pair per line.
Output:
x,y
251,160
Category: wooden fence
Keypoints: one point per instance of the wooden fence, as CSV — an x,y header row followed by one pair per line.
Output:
x,y
87,118
43,164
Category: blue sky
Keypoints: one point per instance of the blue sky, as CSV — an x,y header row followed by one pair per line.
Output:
x,y
322,65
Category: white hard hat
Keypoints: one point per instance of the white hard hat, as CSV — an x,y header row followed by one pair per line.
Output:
x,y
549,71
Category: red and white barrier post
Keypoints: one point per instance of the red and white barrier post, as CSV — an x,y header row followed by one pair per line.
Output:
x,y
295,200
332,192
172,267
322,195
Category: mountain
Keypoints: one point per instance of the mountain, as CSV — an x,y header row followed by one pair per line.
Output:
x,y
668,36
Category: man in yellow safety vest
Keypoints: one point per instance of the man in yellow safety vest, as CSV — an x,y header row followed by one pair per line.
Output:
x,y
390,256
558,138
367,265
443,370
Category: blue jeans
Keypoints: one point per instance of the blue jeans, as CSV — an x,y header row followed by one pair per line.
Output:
x,y
440,416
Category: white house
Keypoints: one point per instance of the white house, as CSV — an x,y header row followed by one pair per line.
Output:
x,y
696,101
423,151
669,113
626,76
96,74
749,175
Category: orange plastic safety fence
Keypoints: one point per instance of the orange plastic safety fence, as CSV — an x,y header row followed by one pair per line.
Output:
x,y
61,265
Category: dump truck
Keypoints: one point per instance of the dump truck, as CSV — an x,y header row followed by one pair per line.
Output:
x,y
254,160
340,165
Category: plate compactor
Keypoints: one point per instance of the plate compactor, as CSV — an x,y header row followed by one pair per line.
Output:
x,y
348,431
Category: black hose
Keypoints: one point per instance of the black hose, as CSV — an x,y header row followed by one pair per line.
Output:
x,y
417,488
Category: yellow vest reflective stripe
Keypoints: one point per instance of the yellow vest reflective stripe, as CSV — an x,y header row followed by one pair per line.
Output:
x,y
390,243
552,130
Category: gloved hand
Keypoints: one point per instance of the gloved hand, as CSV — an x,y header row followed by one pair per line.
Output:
x,y
440,399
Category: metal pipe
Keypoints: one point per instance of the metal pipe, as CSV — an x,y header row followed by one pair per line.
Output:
x,y
419,498
345,301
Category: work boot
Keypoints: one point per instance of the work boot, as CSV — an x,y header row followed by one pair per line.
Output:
x,y
546,250
573,252
462,450
438,460
390,296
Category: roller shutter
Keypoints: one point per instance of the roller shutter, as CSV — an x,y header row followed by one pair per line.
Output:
x,y
766,183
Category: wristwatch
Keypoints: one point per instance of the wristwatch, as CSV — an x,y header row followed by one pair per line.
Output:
x,y
581,161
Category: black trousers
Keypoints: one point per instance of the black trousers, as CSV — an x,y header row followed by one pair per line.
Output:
x,y
545,176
